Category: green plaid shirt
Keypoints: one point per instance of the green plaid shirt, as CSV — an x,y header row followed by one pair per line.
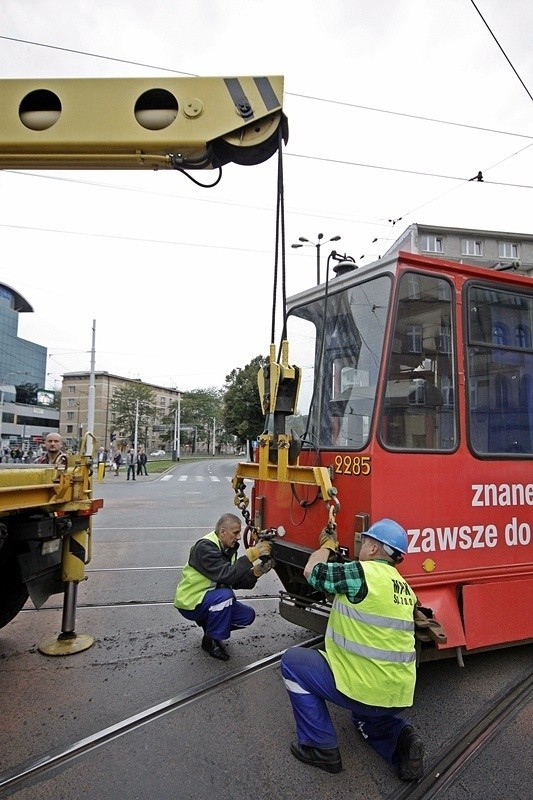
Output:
x,y
336,578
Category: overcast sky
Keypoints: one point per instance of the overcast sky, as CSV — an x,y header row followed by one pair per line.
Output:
x,y
178,278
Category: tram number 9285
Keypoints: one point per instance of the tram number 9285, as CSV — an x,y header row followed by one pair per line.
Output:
x,y
352,465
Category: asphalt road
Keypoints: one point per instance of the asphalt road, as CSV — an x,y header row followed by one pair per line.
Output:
x,y
234,743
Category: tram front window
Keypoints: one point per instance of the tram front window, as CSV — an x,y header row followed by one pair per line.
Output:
x,y
340,361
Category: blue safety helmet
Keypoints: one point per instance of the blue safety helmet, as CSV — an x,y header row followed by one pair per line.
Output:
x,y
391,535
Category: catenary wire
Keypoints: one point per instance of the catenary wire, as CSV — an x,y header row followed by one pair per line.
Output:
x,y
502,50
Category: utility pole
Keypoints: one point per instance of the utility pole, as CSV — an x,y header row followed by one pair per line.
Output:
x,y
91,396
136,435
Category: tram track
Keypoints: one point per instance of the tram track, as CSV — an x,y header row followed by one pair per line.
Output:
x,y
16,778
133,604
443,772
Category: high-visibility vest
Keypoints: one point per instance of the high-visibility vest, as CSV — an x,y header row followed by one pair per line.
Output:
x,y
370,646
193,586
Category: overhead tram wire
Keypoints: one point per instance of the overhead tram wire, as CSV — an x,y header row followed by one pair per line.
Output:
x,y
345,163
502,50
404,114
96,55
484,171
455,188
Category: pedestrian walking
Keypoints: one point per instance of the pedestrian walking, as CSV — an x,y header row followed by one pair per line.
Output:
x,y
117,461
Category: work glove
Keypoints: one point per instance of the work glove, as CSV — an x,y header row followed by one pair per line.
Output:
x,y
260,549
328,539
263,567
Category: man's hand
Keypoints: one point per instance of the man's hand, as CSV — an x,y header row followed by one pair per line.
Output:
x,y
260,549
263,567
328,539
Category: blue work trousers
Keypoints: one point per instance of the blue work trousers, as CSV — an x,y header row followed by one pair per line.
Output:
x,y
309,682
220,613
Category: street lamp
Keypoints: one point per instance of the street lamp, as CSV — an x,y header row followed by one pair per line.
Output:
x,y
317,245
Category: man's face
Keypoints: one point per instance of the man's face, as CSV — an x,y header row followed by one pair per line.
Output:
x,y
231,535
53,444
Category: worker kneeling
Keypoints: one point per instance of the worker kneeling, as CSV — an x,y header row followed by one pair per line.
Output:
x,y
369,663
205,592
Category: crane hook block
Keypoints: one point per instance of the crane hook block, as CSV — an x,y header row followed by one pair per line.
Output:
x,y
279,383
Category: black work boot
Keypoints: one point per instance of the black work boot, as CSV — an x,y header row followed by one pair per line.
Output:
x,y
214,648
410,754
328,759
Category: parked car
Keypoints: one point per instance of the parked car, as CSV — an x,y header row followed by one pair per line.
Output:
x,y
158,453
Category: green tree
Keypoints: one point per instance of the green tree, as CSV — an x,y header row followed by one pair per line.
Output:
x,y
57,400
125,411
27,393
199,408
242,414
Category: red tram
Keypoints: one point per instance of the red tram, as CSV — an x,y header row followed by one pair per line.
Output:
x,y
417,398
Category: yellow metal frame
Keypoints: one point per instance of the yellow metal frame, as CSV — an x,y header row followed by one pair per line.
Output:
x,y
283,472
46,487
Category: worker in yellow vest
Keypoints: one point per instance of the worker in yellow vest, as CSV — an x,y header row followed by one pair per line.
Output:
x,y
369,663
205,593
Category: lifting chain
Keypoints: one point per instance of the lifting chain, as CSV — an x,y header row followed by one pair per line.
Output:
x,y
241,501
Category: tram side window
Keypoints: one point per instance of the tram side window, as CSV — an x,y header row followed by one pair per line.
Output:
x,y
419,411
500,371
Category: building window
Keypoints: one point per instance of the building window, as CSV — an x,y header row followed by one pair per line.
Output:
x,y
445,338
500,334
69,428
522,336
71,402
414,338
413,286
70,414
508,250
471,247
72,390
432,244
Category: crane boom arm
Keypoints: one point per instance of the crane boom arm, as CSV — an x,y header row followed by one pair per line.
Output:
x,y
139,123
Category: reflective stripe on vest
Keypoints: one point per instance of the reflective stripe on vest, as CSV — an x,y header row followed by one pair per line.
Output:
x,y
370,645
193,586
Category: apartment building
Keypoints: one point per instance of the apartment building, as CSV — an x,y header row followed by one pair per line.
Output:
x,y
500,250
75,406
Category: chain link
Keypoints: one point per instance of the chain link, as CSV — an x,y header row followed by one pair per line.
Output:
x,y
241,501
